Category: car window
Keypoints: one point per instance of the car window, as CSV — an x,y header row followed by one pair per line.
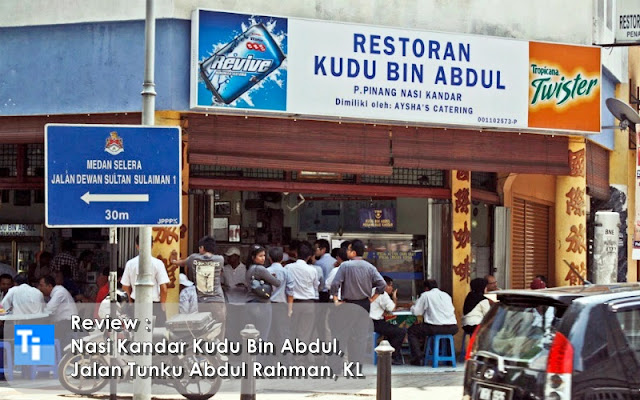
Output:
x,y
630,324
518,332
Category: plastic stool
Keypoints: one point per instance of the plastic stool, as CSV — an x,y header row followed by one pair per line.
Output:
x,y
437,352
7,365
463,347
376,337
34,369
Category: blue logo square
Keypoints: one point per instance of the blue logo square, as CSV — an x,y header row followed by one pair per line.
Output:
x,y
34,345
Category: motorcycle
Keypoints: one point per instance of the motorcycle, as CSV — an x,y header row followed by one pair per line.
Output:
x,y
182,327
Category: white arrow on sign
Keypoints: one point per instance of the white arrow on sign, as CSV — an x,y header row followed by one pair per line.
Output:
x,y
139,198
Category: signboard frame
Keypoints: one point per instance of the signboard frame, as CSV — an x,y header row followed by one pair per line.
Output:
x,y
310,48
95,198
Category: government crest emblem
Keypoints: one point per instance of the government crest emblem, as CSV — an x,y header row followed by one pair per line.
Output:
x,y
114,144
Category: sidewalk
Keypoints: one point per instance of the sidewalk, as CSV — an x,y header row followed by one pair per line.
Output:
x,y
408,382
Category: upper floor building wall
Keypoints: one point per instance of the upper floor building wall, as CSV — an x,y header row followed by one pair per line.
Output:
x,y
75,50
568,21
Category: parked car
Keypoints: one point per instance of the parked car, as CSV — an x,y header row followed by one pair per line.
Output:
x,y
575,342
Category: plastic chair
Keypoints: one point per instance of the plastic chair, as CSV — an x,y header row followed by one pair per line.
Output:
x,y
7,365
34,369
438,352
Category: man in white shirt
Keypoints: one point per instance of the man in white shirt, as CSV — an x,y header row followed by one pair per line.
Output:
x,y
386,303
23,299
160,278
439,318
302,284
60,307
341,257
234,277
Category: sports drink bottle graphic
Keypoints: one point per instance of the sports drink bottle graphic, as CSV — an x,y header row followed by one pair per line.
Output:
x,y
242,63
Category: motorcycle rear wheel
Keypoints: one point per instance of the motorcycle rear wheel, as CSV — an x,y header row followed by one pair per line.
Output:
x,y
198,388
78,385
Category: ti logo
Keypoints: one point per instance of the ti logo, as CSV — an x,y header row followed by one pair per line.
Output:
x,y
34,345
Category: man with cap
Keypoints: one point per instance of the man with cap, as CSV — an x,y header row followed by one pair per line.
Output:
x,y
235,291
188,296
233,277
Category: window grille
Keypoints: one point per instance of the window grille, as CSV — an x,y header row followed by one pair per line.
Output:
x,y
35,160
8,160
408,177
232,172
484,180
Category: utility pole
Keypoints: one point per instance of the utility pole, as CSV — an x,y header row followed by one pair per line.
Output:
x,y
144,282
113,286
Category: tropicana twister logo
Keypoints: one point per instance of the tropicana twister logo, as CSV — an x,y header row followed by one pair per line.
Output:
x,y
550,86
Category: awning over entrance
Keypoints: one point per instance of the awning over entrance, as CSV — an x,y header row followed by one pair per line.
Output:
x,y
302,145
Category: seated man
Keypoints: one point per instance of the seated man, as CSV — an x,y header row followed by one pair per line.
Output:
x,y
23,299
439,318
60,307
386,304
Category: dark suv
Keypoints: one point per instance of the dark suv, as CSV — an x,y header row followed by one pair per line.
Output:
x,y
577,342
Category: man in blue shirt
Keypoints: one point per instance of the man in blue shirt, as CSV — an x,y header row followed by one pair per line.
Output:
x,y
322,252
279,317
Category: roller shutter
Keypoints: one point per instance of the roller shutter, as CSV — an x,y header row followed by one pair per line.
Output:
x,y
530,242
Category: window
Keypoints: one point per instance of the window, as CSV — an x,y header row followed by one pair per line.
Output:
x,y
630,324
519,332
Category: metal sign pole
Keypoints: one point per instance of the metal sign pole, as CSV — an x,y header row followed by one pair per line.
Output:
x,y
113,286
144,282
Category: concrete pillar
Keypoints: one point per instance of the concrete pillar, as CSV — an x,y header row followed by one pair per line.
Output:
x,y
571,219
605,248
461,243
167,239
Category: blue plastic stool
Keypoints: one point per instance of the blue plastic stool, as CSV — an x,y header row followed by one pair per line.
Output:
x,y
7,363
376,337
438,352
34,369
463,347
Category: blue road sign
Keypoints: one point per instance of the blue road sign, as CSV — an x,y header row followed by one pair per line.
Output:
x,y
112,175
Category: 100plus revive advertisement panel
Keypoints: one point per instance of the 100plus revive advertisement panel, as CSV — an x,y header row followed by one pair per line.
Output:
x,y
266,64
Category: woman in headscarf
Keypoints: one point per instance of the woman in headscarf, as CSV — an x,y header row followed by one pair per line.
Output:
x,y
475,305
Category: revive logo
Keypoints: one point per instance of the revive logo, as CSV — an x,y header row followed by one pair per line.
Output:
x,y
34,345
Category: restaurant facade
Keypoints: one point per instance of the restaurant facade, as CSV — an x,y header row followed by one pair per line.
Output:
x,y
452,155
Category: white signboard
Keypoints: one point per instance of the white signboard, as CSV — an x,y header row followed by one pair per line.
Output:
x,y
337,70
373,72
628,21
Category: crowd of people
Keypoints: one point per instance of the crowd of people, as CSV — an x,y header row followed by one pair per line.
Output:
x,y
308,275
293,294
